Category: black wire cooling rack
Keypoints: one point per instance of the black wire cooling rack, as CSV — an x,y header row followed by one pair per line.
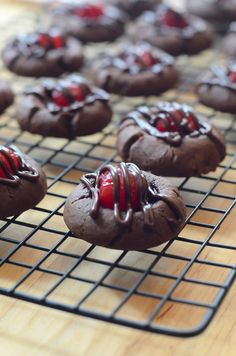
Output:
x,y
173,289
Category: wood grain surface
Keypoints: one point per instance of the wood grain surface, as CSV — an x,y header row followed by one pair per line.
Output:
x,y
28,329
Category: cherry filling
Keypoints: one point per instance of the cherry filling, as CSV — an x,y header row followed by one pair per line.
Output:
x,y
50,41
5,161
43,40
66,96
77,92
123,189
232,77
172,18
146,59
143,60
232,73
93,12
60,99
106,191
176,121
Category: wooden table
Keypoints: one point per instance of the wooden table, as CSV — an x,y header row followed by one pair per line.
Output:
x,y
28,329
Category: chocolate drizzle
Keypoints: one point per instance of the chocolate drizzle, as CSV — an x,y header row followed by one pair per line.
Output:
x,y
90,94
130,60
147,117
14,175
29,45
146,193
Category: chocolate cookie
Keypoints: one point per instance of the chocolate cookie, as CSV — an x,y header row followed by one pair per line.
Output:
x,y
42,54
124,208
169,139
67,107
137,70
217,88
22,182
134,8
90,22
175,33
220,10
6,96
229,42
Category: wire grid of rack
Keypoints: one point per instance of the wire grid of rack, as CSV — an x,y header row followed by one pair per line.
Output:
x,y
173,289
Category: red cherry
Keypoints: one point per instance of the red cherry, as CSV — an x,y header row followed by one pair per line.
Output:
x,y
178,115
174,127
77,92
3,159
44,40
60,99
90,11
106,191
192,124
232,77
147,59
191,119
79,12
58,41
174,19
161,126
